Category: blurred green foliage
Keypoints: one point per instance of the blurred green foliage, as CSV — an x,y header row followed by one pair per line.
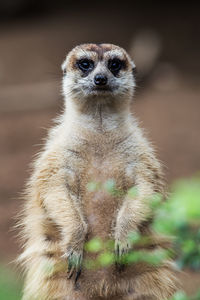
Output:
x,y
10,286
180,216
180,295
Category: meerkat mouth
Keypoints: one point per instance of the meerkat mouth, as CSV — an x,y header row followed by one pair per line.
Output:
x,y
102,89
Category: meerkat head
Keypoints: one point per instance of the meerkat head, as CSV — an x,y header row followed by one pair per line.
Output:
x,y
100,72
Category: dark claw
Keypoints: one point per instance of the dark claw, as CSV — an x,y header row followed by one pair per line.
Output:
x,y
78,273
120,258
69,266
71,272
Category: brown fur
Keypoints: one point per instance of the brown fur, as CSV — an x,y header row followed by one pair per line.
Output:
x,y
61,214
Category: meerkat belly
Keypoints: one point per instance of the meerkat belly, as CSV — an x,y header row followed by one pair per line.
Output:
x,y
103,194
106,184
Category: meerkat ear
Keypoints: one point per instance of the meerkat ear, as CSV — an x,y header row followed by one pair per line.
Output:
x,y
63,67
134,70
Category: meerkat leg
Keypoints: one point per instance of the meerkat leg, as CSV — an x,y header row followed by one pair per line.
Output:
x,y
41,282
49,198
57,186
133,212
60,207
47,276
46,271
47,279
158,284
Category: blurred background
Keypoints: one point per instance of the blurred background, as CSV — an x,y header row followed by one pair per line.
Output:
x,y
35,35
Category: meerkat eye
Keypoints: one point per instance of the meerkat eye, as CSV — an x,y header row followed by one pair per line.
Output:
x,y
115,65
85,65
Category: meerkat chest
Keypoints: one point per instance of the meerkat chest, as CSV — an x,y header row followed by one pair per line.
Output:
x,y
99,175
110,162
102,169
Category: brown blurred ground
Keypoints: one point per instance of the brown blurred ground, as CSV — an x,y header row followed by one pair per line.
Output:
x,y
167,99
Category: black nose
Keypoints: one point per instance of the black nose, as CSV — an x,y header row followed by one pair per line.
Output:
x,y
100,79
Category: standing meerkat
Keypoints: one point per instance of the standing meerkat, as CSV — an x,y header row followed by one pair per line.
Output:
x,y
96,139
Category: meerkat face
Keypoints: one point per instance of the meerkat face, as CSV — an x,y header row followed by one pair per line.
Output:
x,y
102,71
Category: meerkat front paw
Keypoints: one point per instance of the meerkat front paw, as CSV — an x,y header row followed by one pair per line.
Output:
x,y
74,252
122,248
74,261
124,240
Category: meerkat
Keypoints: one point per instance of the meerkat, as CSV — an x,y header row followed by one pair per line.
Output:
x,y
96,139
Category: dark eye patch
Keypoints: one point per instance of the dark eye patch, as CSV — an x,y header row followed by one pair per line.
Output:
x,y
85,65
115,65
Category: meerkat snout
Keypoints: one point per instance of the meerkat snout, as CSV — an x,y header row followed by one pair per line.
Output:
x,y
100,79
103,71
